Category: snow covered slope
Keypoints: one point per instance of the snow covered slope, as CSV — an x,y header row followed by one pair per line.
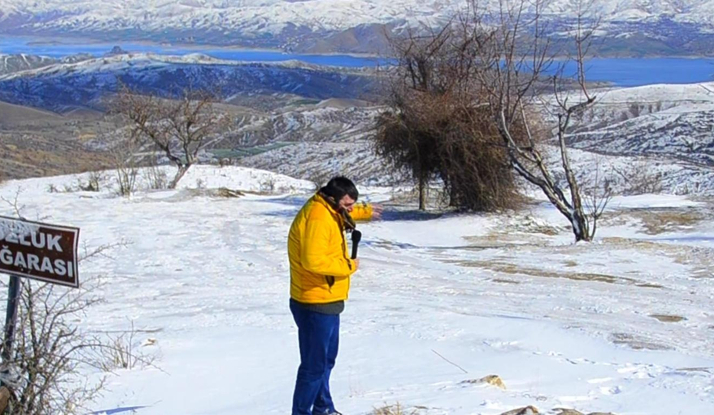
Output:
x,y
622,325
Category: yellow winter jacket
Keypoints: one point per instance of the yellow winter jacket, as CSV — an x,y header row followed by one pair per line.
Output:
x,y
320,266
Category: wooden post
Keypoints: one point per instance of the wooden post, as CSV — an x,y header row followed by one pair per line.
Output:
x,y
10,318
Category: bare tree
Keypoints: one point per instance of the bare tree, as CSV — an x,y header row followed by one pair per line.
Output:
x,y
470,94
514,55
179,128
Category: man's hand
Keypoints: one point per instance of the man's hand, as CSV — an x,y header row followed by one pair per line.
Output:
x,y
356,264
377,211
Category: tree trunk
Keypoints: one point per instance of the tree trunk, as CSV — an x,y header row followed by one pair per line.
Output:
x,y
580,227
182,169
422,193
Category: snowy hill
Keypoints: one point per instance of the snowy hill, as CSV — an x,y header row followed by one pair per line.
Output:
x,y
328,25
64,86
22,62
655,120
660,133
622,325
302,120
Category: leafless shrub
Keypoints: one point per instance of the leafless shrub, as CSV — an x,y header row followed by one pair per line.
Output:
x,y
125,162
639,177
125,351
597,193
51,353
155,176
94,181
225,161
267,185
319,178
91,185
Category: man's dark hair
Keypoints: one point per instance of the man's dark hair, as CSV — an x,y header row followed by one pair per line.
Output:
x,y
340,186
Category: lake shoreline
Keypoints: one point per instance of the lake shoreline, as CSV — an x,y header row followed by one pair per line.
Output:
x,y
618,71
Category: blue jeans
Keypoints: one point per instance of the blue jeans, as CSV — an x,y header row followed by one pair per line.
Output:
x,y
318,336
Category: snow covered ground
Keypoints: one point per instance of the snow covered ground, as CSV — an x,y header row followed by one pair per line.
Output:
x,y
624,324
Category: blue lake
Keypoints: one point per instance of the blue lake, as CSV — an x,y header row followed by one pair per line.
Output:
x,y
31,46
646,71
619,71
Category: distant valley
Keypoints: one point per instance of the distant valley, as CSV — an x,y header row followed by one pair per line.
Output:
x,y
308,121
62,103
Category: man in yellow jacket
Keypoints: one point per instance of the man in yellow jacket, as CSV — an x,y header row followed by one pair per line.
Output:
x,y
320,270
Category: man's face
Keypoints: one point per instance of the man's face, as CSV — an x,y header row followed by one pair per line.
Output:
x,y
347,203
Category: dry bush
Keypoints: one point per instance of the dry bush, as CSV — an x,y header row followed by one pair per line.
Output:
x,y
50,352
229,193
125,162
47,366
267,185
156,177
639,177
319,178
94,181
437,127
395,409
125,351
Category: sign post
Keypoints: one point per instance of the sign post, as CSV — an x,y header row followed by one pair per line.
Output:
x,y
38,251
10,317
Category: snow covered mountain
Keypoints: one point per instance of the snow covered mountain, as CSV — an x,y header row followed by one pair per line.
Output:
x,y
329,25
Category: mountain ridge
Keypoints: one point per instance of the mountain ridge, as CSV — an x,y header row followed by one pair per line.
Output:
x,y
321,26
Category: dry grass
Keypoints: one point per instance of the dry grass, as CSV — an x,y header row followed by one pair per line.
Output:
x,y
395,409
514,269
656,222
665,318
32,156
635,342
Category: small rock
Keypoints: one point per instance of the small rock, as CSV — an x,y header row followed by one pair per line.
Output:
x,y
528,410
